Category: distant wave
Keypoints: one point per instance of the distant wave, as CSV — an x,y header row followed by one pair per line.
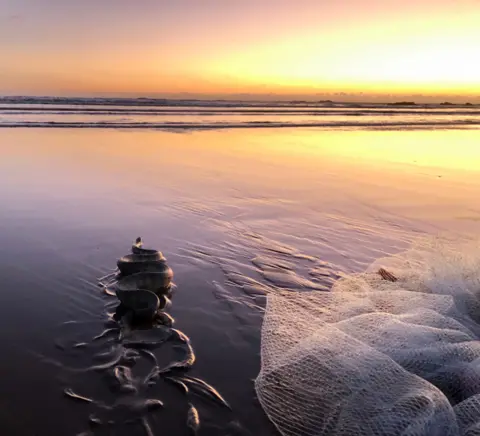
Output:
x,y
474,123
19,110
160,102
95,101
183,115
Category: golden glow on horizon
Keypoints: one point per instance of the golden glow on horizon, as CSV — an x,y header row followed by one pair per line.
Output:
x,y
423,57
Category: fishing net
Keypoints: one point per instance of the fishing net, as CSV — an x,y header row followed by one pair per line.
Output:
x,y
376,357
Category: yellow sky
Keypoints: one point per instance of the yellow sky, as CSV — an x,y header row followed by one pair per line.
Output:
x,y
304,49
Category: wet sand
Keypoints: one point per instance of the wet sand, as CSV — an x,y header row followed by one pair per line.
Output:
x,y
235,212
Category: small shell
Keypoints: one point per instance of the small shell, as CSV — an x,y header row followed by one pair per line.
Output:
x,y
143,303
135,263
165,319
137,248
155,281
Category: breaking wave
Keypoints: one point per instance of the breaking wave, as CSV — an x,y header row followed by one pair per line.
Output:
x,y
190,114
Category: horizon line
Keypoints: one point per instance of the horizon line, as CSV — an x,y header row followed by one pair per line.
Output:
x,y
238,98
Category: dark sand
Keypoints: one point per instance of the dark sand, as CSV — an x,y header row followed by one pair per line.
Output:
x,y
233,212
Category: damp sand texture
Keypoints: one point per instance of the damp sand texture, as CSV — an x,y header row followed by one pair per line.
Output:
x,y
237,213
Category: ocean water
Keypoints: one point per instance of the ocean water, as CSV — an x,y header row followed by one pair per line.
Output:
x,y
188,114
234,210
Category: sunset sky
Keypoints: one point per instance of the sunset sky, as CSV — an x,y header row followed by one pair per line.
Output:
x,y
306,49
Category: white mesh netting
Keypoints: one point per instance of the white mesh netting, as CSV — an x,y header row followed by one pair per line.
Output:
x,y
374,357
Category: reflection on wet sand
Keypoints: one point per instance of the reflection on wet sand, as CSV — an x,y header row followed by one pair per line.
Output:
x,y
241,214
